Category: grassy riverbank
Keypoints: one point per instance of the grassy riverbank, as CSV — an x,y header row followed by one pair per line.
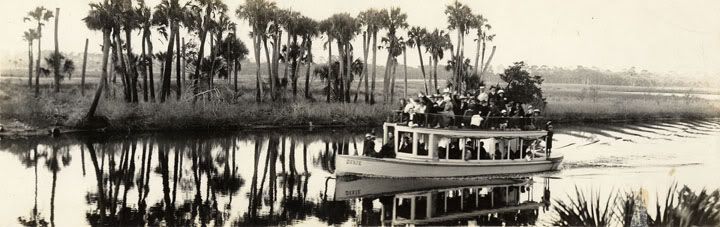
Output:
x,y
565,105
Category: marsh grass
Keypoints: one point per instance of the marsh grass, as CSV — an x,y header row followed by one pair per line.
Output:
x,y
228,109
567,106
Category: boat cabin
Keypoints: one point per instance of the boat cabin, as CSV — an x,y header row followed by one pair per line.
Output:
x,y
462,145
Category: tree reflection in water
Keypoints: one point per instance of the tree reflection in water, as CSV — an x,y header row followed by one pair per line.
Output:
x,y
201,180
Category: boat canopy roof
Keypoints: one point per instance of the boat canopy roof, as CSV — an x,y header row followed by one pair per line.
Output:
x,y
479,134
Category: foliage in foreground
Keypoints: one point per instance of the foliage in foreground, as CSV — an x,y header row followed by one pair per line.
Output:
x,y
683,207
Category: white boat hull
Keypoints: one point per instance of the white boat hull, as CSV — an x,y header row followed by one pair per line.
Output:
x,y
387,167
374,186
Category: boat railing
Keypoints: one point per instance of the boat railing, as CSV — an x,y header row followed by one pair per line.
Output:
x,y
467,121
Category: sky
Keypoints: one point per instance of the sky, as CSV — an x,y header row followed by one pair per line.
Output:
x,y
659,36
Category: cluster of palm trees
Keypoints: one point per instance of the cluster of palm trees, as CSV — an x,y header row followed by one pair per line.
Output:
x,y
209,21
56,62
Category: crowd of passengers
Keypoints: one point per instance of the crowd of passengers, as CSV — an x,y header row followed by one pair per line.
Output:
x,y
490,109
451,149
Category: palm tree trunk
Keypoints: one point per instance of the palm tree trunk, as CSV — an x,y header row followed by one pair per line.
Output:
x,y
30,63
132,74
125,78
37,63
212,63
287,57
348,73
341,71
477,52
308,63
178,64
330,67
258,86
103,75
56,67
270,69
143,57
435,64
182,62
235,64
198,65
150,66
405,71
82,74
374,48
167,71
482,60
392,81
487,64
386,78
422,67
366,47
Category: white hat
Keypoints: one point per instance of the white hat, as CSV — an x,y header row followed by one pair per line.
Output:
x,y
501,91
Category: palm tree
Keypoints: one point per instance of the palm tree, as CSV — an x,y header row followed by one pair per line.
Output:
x,y
371,19
460,19
346,27
82,75
327,26
416,35
308,29
56,68
68,68
435,43
40,15
167,14
144,19
130,20
392,20
100,18
59,64
30,35
259,14
233,50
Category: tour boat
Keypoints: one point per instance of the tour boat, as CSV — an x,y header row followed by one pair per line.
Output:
x,y
480,201
452,152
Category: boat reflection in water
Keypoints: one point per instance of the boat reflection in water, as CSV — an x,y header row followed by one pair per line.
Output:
x,y
459,201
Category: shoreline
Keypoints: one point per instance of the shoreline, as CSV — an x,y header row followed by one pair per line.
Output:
x,y
56,131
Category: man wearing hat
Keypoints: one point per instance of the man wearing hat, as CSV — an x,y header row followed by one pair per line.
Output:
x,y
549,137
369,145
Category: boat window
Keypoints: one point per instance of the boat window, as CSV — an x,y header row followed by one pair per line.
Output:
x,y
469,196
405,142
471,149
403,207
439,199
421,205
423,146
454,149
442,144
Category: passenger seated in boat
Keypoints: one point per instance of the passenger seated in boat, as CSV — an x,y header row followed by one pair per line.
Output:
x,y
369,146
470,151
483,153
405,145
442,148
401,110
498,153
388,149
455,152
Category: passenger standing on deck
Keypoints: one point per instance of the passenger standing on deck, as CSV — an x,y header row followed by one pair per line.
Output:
x,y
549,137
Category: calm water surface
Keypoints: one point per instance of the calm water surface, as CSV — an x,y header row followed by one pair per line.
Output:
x,y
286,178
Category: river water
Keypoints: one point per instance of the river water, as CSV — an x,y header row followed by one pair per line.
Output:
x,y
286,178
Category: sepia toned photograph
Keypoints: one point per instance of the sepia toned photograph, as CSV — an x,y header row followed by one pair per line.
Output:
x,y
359,113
